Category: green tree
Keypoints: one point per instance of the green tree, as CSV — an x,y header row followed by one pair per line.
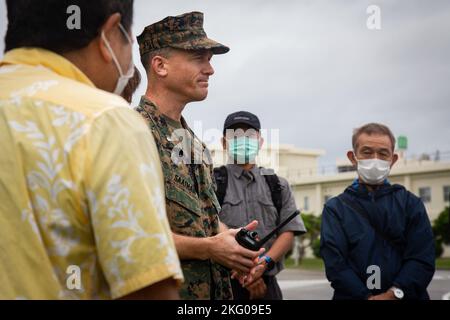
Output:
x,y
312,236
316,247
441,231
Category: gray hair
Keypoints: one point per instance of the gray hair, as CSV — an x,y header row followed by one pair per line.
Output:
x,y
372,128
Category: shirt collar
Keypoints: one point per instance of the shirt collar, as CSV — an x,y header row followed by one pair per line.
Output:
x,y
48,59
356,184
237,170
152,108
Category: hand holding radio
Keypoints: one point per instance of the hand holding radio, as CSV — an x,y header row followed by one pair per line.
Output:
x,y
226,251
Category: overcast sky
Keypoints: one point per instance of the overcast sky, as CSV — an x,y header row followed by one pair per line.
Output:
x,y
315,71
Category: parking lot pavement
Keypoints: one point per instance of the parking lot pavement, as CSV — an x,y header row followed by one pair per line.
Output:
x,y
312,285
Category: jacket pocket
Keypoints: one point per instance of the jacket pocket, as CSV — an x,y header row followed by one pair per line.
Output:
x,y
184,211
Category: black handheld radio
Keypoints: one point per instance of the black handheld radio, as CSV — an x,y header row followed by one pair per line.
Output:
x,y
250,239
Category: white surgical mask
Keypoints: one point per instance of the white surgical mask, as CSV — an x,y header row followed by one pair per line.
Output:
x,y
373,171
123,78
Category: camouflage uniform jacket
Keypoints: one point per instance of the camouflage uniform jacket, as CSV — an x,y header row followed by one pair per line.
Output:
x,y
191,203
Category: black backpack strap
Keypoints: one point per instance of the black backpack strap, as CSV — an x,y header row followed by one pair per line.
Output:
x,y
275,189
356,207
221,177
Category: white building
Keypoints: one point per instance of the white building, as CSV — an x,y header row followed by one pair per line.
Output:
x,y
313,185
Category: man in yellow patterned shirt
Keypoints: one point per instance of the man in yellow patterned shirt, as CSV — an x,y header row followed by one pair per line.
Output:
x,y
82,209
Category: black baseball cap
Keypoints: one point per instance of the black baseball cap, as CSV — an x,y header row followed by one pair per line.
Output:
x,y
242,117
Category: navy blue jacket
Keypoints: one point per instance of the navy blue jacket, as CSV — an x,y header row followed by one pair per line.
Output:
x,y
349,245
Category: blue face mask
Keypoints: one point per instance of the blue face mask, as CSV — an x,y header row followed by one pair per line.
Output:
x,y
243,150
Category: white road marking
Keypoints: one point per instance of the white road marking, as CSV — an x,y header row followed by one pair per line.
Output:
x,y
290,284
441,277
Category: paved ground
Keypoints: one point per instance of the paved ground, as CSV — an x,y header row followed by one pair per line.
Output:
x,y
313,285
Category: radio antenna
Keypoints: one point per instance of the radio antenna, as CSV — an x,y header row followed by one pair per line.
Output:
x,y
278,228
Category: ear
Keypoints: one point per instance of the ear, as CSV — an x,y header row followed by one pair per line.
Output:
x,y
109,28
352,158
224,143
159,66
261,142
394,159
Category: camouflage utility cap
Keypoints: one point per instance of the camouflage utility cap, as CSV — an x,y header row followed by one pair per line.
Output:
x,y
182,32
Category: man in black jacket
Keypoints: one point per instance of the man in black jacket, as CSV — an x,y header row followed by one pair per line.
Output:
x,y
376,238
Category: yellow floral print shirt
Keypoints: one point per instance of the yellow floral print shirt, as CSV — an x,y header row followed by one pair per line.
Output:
x,y
82,211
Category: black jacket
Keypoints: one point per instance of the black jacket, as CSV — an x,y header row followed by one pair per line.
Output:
x,y
349,244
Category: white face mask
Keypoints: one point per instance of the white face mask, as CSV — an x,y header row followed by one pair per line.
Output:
x,y
123,78
373,171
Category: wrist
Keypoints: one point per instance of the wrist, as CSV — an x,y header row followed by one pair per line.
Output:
x,y
208,245
396,293
268,262
222,227
262,262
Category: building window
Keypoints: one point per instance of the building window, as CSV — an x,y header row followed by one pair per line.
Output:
x,y
446,193
306,205
425,194
326,198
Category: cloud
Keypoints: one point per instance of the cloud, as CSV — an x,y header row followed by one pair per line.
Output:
x,y
314,70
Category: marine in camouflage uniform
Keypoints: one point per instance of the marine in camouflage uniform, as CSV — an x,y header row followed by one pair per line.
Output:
x,y
191,203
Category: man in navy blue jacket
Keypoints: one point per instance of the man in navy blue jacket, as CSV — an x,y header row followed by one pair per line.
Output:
x,y
376,238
